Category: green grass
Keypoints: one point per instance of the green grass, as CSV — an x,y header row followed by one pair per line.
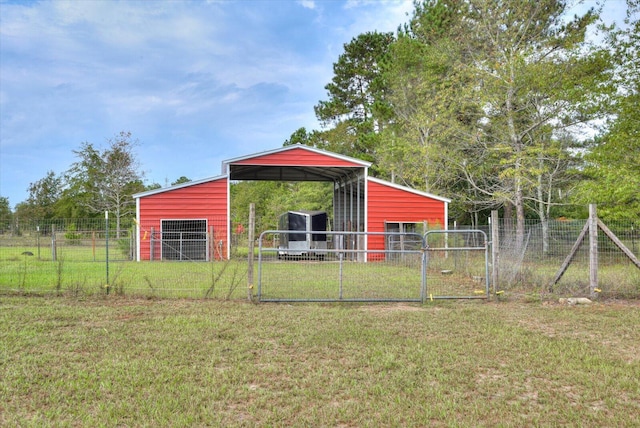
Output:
x,y
325,280
118,250
114,361
156,279
619,280
399,279
278,279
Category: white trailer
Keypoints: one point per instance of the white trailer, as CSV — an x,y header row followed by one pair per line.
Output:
x,y
299,237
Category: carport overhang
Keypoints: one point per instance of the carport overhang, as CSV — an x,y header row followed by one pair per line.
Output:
x,y
292,173
303,163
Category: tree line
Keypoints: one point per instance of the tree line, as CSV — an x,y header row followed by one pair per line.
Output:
x,y
506,105
100,180
497,105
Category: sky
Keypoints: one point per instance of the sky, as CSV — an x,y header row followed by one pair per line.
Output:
x,y
195,82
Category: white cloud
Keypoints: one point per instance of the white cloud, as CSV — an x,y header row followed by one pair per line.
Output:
x,y
309,4
217,79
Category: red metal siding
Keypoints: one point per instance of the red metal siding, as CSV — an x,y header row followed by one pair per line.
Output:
x,y
297,156
200,201
386,203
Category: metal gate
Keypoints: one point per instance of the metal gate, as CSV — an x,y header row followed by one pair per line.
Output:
x,y
457,264
371,267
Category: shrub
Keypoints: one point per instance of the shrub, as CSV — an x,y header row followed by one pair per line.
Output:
x,y
72,236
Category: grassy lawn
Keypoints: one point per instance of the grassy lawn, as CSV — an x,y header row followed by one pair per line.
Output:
x,y
302,279
153,279
122,361
78,271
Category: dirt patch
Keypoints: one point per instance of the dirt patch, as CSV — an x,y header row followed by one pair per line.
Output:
x,y
622,303
400,307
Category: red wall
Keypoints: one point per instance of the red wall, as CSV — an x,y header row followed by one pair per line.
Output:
x,y
296,156
200,201
390,204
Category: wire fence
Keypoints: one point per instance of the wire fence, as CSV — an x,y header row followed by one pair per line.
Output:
x,y
531,259
196,260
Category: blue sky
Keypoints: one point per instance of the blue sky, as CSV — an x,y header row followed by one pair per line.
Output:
x,y
195,82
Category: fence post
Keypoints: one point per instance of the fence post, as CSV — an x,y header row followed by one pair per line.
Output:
x,y
54,252
252,227
132,244
593,250
106,236
495,248
38,240
152,243
211,247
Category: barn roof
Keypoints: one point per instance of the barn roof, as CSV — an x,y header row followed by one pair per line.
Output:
x,y
178,186
294,163
408,189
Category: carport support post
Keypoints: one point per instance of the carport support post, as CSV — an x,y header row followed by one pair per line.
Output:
x,y
495,248
252,227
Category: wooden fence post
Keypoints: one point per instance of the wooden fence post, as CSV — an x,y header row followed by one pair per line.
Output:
x,y
54,244
252,227
495,249
593,250
152,244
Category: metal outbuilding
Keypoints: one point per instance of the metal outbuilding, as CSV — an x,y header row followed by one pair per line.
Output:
x,y
202,207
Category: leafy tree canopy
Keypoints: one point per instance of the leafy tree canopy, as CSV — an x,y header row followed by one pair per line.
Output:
x,y
104,180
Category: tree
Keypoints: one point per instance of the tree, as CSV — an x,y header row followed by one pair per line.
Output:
x,y
300,136
105,180
5,214
44,198
152,186
181,180
522,75
422,84
554,175
612,171
538,80
348,116
272,198
5,208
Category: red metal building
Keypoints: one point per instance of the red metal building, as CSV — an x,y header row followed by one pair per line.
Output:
x,y
190,215
195,216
